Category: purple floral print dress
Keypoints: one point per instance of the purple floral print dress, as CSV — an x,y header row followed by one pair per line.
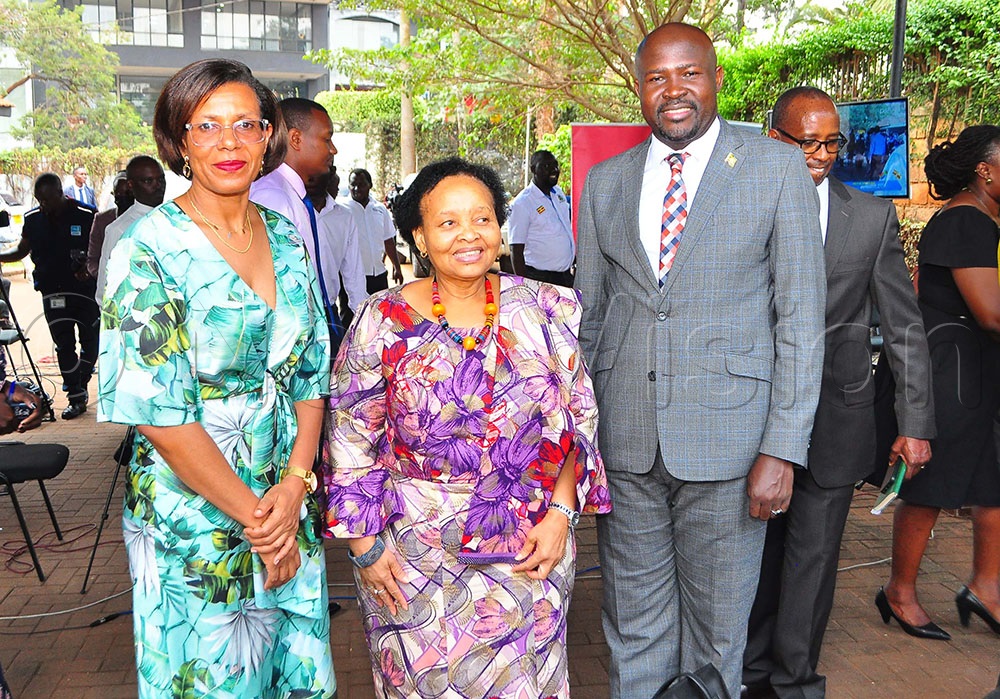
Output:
x,y
450,456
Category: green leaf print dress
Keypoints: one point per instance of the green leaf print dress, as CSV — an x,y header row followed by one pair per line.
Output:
x,y
184,339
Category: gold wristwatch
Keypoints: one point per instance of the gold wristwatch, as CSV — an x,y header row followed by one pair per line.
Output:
x,y
307,476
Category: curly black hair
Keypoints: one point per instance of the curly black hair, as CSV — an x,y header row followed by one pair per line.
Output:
x,y
406,209
950,166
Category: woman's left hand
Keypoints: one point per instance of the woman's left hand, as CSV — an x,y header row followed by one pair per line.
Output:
x,y
279,508
544,546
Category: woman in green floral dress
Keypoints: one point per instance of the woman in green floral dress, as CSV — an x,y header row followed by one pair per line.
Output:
x,y
214,346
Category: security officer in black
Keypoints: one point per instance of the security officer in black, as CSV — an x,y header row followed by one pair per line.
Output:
x,y
57,234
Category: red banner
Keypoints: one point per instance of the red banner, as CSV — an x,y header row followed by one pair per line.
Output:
x,y
592,143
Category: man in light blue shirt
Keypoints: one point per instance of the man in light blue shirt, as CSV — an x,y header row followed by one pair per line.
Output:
x,y
541,236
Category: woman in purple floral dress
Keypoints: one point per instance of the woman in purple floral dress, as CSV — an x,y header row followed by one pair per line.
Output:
x,y
462,449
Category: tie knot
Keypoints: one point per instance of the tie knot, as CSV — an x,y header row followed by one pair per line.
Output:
x,y
676,161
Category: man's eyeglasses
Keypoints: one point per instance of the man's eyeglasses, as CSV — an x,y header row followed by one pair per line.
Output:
x,y
246,131
811,145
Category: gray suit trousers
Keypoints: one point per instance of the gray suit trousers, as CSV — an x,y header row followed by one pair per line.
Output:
x,y
680,561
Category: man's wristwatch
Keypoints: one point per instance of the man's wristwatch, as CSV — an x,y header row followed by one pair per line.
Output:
x,y
307,476
572,515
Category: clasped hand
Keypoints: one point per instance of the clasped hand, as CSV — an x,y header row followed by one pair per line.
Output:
x,y
544,546
274,539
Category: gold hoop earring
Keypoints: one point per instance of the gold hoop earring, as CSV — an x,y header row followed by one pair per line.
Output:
x,y
423,254
186,170
261,172
989,180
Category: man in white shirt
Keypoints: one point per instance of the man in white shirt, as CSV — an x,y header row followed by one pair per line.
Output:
x,y
541,236
376,231
147,185
309,154
338,241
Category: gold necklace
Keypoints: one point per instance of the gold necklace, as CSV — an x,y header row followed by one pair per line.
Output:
x,y
215,229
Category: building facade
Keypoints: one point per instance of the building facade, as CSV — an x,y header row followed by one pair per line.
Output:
x,y
155,38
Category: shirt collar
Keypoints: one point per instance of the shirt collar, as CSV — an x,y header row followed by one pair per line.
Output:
x,y
292,178
700,149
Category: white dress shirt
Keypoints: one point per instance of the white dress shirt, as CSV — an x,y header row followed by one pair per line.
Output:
x,y
656,178
340,254
282,190
823,190
112,234
375,226
540,222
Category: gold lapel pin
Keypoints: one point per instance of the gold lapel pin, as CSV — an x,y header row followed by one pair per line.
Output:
x,y
731,160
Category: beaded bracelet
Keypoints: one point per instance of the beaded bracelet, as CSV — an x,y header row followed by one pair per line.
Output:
x,y
369,557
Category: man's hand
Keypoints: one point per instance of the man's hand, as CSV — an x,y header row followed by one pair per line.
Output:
x,y
914,452
769,486
397,273
21,395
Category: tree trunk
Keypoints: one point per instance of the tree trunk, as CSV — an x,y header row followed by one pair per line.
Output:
x,y
407,129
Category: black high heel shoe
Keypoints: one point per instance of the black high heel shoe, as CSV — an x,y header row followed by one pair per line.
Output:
x,y
967,603
929,630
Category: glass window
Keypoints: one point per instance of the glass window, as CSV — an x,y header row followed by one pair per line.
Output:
x,y
135,22
257,25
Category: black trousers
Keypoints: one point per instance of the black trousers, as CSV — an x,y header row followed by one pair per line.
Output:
x,y
544,275
795,594
377,282
71,317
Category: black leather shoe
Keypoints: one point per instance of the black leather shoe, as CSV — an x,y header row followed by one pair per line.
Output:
x,y
929,630
74,410
968,603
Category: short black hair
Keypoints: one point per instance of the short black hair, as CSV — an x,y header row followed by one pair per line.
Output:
x,y
781,112
950,166
297,112
48,179
406,210
189,87
362,171
137,162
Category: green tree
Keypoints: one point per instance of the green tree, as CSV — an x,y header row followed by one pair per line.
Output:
x,y
522,51
79,107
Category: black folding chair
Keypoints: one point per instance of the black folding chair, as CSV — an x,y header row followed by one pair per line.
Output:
x,y
20,463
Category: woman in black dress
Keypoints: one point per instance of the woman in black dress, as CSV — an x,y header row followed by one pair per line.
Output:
x,y
959,298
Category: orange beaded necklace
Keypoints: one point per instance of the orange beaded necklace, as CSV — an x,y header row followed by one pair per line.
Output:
x,y
469,342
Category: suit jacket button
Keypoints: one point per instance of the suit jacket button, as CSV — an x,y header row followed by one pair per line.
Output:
x,y
651,376
662,315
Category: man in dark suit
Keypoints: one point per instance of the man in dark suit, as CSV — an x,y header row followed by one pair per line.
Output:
x,y
80,190
864,269
701,271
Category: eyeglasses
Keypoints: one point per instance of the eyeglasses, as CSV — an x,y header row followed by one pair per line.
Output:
x,y
811,145
246,131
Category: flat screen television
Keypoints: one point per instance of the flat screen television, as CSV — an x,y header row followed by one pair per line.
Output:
x,y
876,158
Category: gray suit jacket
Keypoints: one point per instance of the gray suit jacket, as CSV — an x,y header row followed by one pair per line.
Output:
x,y
865,267
725,362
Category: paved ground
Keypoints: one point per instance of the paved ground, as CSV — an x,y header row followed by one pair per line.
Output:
x,y
49,654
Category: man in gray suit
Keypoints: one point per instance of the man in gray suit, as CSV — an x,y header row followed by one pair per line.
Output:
x,y
864,269
706,357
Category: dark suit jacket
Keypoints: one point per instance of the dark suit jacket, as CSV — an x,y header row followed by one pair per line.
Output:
x,y
864,268
88,194
724,362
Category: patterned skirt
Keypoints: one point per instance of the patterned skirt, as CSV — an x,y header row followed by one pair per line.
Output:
x,y
471,630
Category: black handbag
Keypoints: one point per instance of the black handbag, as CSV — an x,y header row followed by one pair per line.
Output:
x,y
704,683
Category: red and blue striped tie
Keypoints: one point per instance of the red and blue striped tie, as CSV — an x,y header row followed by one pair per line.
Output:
x,y
674,215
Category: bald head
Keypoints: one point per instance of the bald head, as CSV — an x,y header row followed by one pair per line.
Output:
x,y
679,79
676,31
